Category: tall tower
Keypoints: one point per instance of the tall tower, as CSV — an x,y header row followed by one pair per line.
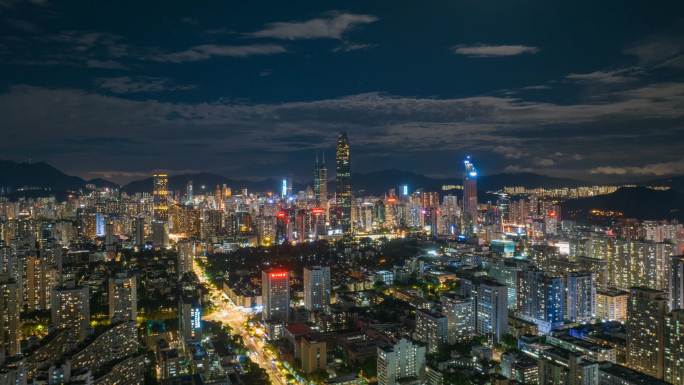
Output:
x,y
343,177
469,196
71,309
160,197
321,182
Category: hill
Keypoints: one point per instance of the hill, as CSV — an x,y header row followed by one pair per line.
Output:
x,y
634,202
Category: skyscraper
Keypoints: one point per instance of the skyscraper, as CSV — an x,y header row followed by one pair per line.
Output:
x,y
321,182
10,323
275,295
541,299
645,331
677,283
343,179
674,347
491,309
469,196
316,288
160,196
581,297
71,309
123,298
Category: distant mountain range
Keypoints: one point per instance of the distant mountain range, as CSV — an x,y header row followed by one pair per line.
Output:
x,y
40,179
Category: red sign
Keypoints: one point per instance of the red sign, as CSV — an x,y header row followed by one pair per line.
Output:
x,y
278,275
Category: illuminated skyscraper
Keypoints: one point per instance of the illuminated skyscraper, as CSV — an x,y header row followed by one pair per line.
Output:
x,y
321,182
161,197
645,331
189,195
275,294
316,288
677,283
343,178
71,309
123,298
674,347
10,323
469,196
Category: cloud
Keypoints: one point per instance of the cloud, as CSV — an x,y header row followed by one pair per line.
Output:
x,y
544,162
332,27
615,76
482,50
207,51
348,46
510,152
605,130
128,85
655,169
105,64
658,50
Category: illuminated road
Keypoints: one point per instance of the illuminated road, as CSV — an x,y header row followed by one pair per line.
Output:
x,y
236,317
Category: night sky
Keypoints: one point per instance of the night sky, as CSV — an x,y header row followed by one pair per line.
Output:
x,y
585,89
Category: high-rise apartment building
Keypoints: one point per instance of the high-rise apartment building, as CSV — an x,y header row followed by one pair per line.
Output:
x,y
123,298
343,194
611,305
316,288
645,331
71,309
491,309
460,317
674,347
676,284
10,321
431,329
41,278
541,299
581,296
401,361
275,295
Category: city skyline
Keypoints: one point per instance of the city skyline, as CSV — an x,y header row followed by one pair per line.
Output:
x,y
253,93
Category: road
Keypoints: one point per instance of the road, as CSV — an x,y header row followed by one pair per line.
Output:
x,y
235,317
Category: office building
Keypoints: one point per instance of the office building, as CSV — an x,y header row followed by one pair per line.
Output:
x,y
71,309
316,288
275,295
645,331
123,298
139,231
161,197
343,194
321,182
401,362
313,352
